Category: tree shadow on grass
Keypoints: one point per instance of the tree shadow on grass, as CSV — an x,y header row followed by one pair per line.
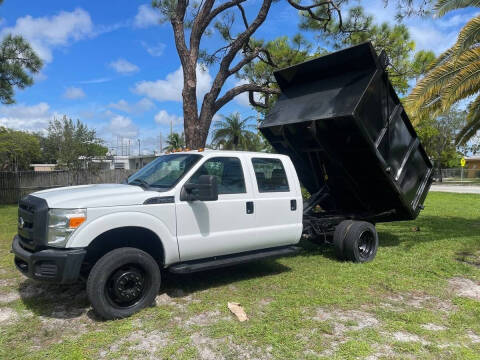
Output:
x,y
71,302
430,229
176,285
56,301
409,233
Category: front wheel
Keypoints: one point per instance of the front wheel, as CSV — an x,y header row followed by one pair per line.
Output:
x,y
122,282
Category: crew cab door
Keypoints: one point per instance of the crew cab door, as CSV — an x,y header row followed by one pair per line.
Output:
x,y
278,202
220,227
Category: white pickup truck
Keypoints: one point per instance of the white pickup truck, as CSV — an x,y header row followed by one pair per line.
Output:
x,y
338,128
185,212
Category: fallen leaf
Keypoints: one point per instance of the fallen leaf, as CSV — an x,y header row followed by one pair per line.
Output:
x,y
416,228
237,309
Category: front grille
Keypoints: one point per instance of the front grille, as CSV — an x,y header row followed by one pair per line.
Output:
x,y
32,221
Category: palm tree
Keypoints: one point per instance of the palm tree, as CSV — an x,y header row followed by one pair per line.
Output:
x,y
232,132
175,141
453,76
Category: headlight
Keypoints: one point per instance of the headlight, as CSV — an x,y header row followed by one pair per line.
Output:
x,y
62,223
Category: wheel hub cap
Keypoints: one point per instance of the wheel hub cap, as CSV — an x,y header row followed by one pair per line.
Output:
x,y
128,285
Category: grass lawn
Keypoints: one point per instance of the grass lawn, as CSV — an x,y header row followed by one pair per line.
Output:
x,y
420,298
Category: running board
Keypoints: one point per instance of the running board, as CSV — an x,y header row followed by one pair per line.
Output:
x,y
230,260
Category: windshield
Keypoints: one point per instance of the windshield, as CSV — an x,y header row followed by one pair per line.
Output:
x,y
165,171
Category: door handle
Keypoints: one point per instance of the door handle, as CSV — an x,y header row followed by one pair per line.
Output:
x,y
249,207
293,205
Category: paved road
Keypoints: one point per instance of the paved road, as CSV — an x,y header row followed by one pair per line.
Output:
x,y
464,189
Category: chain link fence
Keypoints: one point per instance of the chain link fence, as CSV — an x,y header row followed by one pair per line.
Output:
x,y
457,175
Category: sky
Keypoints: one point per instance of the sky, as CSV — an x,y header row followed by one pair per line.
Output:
x,y
116,68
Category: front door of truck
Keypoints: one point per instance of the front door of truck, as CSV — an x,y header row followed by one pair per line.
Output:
x,y
224,226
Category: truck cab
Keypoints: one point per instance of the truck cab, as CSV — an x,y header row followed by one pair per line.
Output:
x,y
186,211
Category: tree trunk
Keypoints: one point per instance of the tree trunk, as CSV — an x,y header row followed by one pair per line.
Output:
x,y
191,121
196,128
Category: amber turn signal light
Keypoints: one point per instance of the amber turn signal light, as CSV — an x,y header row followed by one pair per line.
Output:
x,y
75,222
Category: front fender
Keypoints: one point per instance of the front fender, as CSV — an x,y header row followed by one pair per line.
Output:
x,y
91,229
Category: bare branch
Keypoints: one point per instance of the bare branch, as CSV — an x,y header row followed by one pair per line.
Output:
x,y
331,6
177,21
247,58
235,47
268,60
205,17
255,103
199,26
221,8
230,94
244,16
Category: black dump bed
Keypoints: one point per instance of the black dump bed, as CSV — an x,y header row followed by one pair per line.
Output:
x,y
353,146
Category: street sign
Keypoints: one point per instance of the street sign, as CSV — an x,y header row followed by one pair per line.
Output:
x,y
463,161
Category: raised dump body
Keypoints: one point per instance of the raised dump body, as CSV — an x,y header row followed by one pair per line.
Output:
x,y
353,146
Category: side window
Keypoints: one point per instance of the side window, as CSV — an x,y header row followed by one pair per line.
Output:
x,y
228,171
270,175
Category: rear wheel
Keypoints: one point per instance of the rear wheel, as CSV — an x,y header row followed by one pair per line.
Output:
x,y
339,235
123,282
361,242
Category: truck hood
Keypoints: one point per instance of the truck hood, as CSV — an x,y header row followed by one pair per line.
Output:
x,y
89,196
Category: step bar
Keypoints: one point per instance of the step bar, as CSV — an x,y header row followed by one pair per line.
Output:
x,y
231,260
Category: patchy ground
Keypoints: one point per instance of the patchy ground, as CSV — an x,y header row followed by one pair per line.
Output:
x,y
420,298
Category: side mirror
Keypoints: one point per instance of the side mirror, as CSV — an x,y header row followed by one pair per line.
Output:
x,y
205,190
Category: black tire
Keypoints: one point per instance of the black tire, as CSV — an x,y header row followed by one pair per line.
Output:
x,y
339,238
361,242
122,282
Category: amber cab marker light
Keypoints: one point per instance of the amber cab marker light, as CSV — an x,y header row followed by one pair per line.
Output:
x,y
75,222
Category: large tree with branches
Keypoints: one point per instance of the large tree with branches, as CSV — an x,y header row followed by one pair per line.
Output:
x,y
191,21
18,62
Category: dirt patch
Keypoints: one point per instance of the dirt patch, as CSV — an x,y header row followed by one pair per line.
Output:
x,y
433,327
140,341
205,347
474,337
382,352
402,336
349,320
166,300
7,282
204,319
209,349
7,315
398,302
265,302
465,288
9,297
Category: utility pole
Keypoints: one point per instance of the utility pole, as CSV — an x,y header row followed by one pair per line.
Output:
x,y
171,127
161,144
138,147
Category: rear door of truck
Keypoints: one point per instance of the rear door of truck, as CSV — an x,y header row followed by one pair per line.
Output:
x,y
278,202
